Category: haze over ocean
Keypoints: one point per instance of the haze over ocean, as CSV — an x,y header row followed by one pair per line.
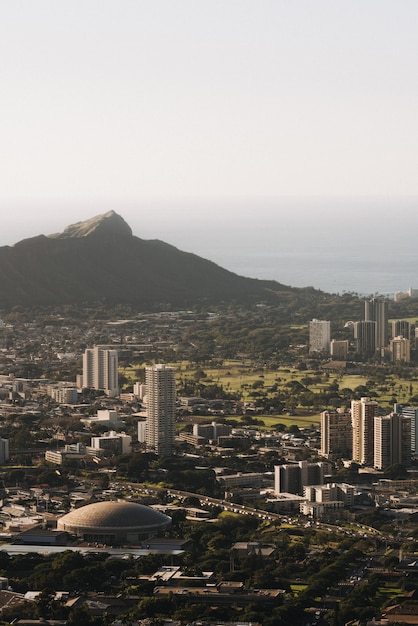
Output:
x,y
363,245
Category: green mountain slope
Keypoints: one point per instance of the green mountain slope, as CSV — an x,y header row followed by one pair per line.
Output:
x,y
100,260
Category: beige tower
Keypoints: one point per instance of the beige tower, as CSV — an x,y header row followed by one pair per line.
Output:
x,y
363,412
160,384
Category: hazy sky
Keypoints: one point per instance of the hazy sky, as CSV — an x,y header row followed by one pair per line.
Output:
x,y
132,104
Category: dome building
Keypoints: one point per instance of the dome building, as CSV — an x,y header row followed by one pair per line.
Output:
x,y
114,523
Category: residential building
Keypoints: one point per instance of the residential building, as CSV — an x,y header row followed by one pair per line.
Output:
x,y
160,383
392,436
400,349
401,328
100,370
365,337
336,434
319,336
376,310
412,413
4,451
63,395
363,412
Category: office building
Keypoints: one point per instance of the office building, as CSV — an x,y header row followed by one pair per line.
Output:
x,y
100,370
376,310
112,443
336,434
319,336
392,436
160,383
363,412
400,350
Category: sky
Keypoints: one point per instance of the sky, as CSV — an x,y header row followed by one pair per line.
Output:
x,y
170,111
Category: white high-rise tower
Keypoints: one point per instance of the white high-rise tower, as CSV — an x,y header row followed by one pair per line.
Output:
x,y
319,336
100,370
160,382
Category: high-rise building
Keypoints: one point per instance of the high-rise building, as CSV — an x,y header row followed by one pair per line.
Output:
x,y
365,337
100,370
319,336
160,382
412,413
4,451
376,310
400,349
392,436
336,434
363,412
401,328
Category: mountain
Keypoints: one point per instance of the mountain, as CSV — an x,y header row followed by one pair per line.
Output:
x,y
101,261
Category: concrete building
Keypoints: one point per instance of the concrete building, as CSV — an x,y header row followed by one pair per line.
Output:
x,y
100,370
412,413
319,336
339,348
376,310
104,417
139,390
212,431
4,451
114,523
292,478
400,349
363,412
365,337
336,434
113,443
142,430
392,436
160,383
401,328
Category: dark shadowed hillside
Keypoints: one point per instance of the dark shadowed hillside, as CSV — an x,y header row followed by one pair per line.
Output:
x,y
100,260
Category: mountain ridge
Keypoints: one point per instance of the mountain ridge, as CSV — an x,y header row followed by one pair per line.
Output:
x,y
100,260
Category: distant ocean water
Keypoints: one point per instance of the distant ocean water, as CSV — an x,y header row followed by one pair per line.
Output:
x,y
362,245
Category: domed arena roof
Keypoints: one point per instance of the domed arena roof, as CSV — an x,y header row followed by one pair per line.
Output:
x,y
126,521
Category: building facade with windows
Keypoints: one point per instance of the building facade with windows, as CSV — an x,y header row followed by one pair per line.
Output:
x,y
160,382
100,370
319,336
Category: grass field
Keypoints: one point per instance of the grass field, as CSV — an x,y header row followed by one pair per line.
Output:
x,y
239,377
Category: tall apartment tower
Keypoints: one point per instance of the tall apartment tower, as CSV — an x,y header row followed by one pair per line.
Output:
x,y
336,434
401,328
319,336
365,337
412,413
400,349
4,451
392,436
100,370
376,310
363,412
160,382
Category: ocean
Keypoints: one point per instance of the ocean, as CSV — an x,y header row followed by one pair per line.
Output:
x,y
367,246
